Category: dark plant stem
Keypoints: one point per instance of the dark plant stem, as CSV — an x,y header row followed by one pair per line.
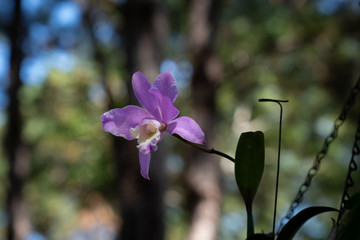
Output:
x,y
250,223
279,150
204,149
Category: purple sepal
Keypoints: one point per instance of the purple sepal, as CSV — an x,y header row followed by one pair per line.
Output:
x,y
186,128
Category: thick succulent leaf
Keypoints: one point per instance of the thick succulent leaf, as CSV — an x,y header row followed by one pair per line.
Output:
x,y
295,223
249,164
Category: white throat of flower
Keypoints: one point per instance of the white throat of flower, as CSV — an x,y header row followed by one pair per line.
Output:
x,y
148,133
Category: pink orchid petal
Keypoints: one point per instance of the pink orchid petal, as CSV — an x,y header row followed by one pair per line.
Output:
x,y
165,91
165,83
142,92
144,165
167,109
186,128
118,121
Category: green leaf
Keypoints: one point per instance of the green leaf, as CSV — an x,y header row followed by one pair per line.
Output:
x,y
249,167
249,164
294,224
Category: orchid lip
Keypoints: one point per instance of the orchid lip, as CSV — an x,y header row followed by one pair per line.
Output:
x,y
148,133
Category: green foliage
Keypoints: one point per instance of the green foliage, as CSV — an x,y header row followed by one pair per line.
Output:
x,y
71,155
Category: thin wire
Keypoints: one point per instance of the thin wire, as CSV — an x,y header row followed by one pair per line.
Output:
x,y
279,150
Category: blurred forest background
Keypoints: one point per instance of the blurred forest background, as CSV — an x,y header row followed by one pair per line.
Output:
x,y
64,63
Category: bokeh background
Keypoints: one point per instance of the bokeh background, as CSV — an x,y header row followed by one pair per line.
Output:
x,y
64,63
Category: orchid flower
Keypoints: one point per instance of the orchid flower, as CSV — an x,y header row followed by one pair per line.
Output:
x,y
157,116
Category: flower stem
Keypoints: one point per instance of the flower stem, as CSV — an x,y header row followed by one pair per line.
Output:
x,y
204,149
279,150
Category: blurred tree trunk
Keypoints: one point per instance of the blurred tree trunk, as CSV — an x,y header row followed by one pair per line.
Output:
x,y
203,175
17,154
142,207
